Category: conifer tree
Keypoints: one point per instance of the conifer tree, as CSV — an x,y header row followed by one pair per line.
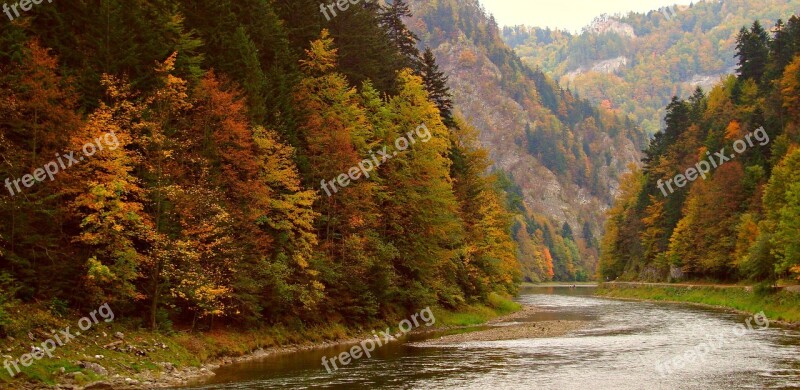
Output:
x,y
436,85
392,19
38,117
752,49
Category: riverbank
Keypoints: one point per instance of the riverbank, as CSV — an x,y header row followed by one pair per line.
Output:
x,y
121,355
560,284
514,326
783,306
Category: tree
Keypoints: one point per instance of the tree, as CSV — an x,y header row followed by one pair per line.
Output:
x,y
704,241
436,85
392,20
336,130
489,256
752,49
621,246
110,202
790,92
420,201
782,208
38,116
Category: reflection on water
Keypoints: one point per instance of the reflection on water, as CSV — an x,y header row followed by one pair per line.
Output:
x,y
619,349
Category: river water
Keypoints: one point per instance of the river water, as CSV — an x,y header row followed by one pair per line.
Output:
x,y
620,348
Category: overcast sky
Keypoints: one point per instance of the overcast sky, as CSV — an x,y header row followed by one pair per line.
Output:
x,y
572,15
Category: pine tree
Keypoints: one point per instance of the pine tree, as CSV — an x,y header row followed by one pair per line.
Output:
x,y
392,19
436,85
752,49
38,116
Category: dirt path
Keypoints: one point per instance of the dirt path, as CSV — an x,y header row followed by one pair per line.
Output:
x,y
739,286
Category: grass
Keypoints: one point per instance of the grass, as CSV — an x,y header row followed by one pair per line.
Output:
x,y
183,349
477,314
783,306
559,284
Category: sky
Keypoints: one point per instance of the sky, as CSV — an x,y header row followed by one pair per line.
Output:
x,y
571,15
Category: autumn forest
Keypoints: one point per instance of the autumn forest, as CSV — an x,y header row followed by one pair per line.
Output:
x,y
741,224
228,115
216,127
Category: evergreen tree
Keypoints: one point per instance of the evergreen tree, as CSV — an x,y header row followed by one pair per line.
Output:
x,y
752,49
436,85
38,117
392,19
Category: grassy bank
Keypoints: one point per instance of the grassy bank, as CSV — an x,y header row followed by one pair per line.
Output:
x,y
476,314
559,284
141,353
783,306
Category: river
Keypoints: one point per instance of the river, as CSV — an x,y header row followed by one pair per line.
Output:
x,y
618,349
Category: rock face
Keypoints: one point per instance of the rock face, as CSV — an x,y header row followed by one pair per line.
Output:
x,y
605,24
608,66
485,97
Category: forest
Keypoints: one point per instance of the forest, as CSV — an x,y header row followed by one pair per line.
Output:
x,y
226,116
667,52
741,223
238,193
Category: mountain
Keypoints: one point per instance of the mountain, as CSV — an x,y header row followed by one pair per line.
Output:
x,y
564,155
635,63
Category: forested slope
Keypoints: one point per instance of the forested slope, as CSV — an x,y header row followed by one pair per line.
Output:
x,y
635,63
738,220
222,127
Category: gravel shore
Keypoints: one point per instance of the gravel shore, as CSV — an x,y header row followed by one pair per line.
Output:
x,y
511,327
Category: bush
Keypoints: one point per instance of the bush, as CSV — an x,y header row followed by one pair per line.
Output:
x,y
764,289
5,321
58,307
8,289
502,304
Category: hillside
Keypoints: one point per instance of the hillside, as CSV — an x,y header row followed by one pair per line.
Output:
x,y
718,196
635,63
564,155
228,163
